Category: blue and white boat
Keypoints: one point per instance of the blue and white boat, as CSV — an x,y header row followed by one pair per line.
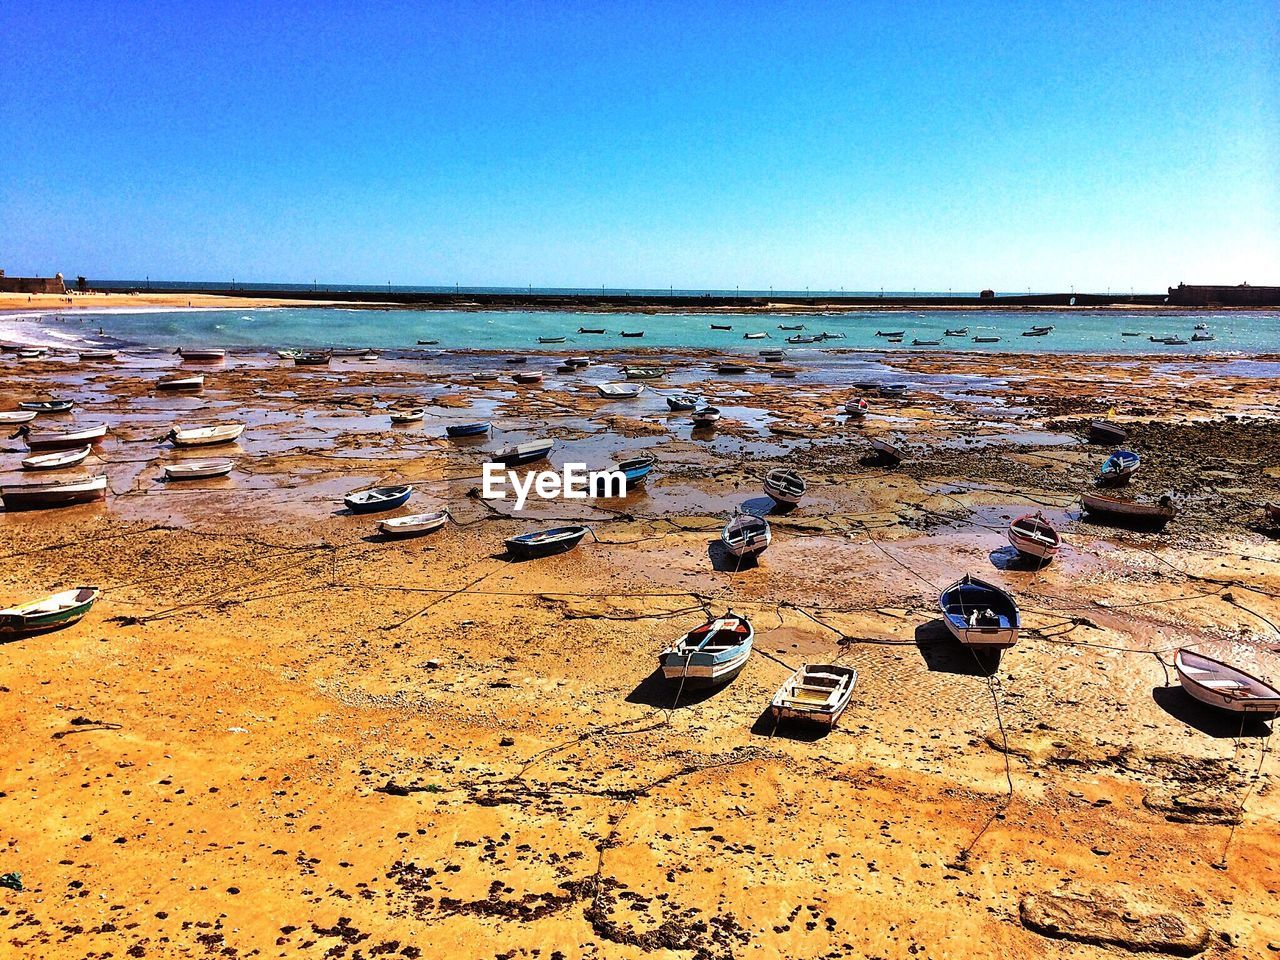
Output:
x,y
980,614
477,429
636,469
714,653
683,401
544,543
1119,467
377,499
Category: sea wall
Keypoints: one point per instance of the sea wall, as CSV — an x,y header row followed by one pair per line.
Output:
x,y
32,284
1242,295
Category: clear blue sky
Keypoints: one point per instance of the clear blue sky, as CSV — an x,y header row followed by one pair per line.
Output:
x,y
927,145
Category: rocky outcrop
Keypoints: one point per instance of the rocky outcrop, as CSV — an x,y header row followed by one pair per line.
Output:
x,y
1114,919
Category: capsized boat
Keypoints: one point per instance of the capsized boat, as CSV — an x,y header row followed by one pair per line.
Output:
x,y
198,469
713,653
48,613
206,436
62,439
746,535
1119,467
818,692
57,460
1131,511
887,451
1221,685
980,614
376,499
682,401
544,543
1033,536
407,414
193,381
47,406
785,486
706,416
477,429
56,493
528,452
414,525
1104,431
620,391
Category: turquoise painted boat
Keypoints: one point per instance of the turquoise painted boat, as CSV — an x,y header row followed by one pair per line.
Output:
x,y
48,613
714,653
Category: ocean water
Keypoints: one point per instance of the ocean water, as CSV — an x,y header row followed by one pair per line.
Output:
x,y
1076,331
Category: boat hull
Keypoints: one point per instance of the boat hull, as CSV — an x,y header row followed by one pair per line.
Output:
x,y
1223,687
18,624
523,548
357,505
39,496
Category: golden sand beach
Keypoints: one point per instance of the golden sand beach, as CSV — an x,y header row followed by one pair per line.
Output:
x,y
280,734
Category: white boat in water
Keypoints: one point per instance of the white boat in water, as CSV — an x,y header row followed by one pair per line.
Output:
x,y
206,436
62,439
16,416
1221,685
408,414
193,381
198,469
57,460
818,692
620,391
415,524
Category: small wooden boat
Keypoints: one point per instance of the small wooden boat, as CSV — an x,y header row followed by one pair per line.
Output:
x,y
579,361
682,401
47,406
527,378
635,333
887,451
30,353
797,326
980,614
926,343
754,336
194,381
312,359
706,416
551,339
1035,333
56,493
347,352
528,452
1104,431
818,692
783,374
591,329
377,499
620,391
1119,467
785,486
1132,511
201,355
958,332
206,436
458,430
484,377
892,389
515,360
62,440
713,653
801,338
414,525
198,469
894,340
643,373
856,407
722,326
1174,342
1033,536
428,343
87,356
57,460
48,613
746,535
731,368
1272,510
545,543
17,416
408,414
1221,685
835,336
1202,337
891,333
986,339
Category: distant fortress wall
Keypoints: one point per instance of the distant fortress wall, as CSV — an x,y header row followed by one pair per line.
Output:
x,y
1222,296
32,284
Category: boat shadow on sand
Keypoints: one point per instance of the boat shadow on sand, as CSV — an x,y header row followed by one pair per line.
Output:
x,y
943,653
797,730
722,561
1180,705
1007,558
657,691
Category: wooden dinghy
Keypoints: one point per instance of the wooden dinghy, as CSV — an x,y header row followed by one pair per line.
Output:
x,y
634,333
783,374
887,452
746,535
856,407
206,436
528,452
620,391
706,416
62,439
193,381
201,355
198,469
525,379
1221,685
551,339
1033,536
1104,431
803,338
545,543
515,360
714,653
47,406
926,343
891,333
31,353
459,430
57,460
644,373
591,329
484,377
16,416
722,326
731,369
56,493
817,692
682,401
408,414
414,525
312,359
785,486
773,356
1118,468
87,356
980,614
1035,333
1130,511
376,499
53,612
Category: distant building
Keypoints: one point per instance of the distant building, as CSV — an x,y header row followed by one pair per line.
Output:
x,y
1223,296
987,294
32,284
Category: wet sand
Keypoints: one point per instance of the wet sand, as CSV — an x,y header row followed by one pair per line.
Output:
x,y
278,734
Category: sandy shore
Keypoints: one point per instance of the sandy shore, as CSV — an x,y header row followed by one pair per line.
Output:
x,y
278,735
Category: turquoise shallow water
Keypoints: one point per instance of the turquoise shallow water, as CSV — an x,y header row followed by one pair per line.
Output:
x,y
1083,331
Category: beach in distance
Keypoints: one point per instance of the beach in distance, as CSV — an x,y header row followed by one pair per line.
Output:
x,y
283,728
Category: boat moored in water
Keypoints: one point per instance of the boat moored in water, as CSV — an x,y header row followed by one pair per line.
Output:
x,y
459,430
